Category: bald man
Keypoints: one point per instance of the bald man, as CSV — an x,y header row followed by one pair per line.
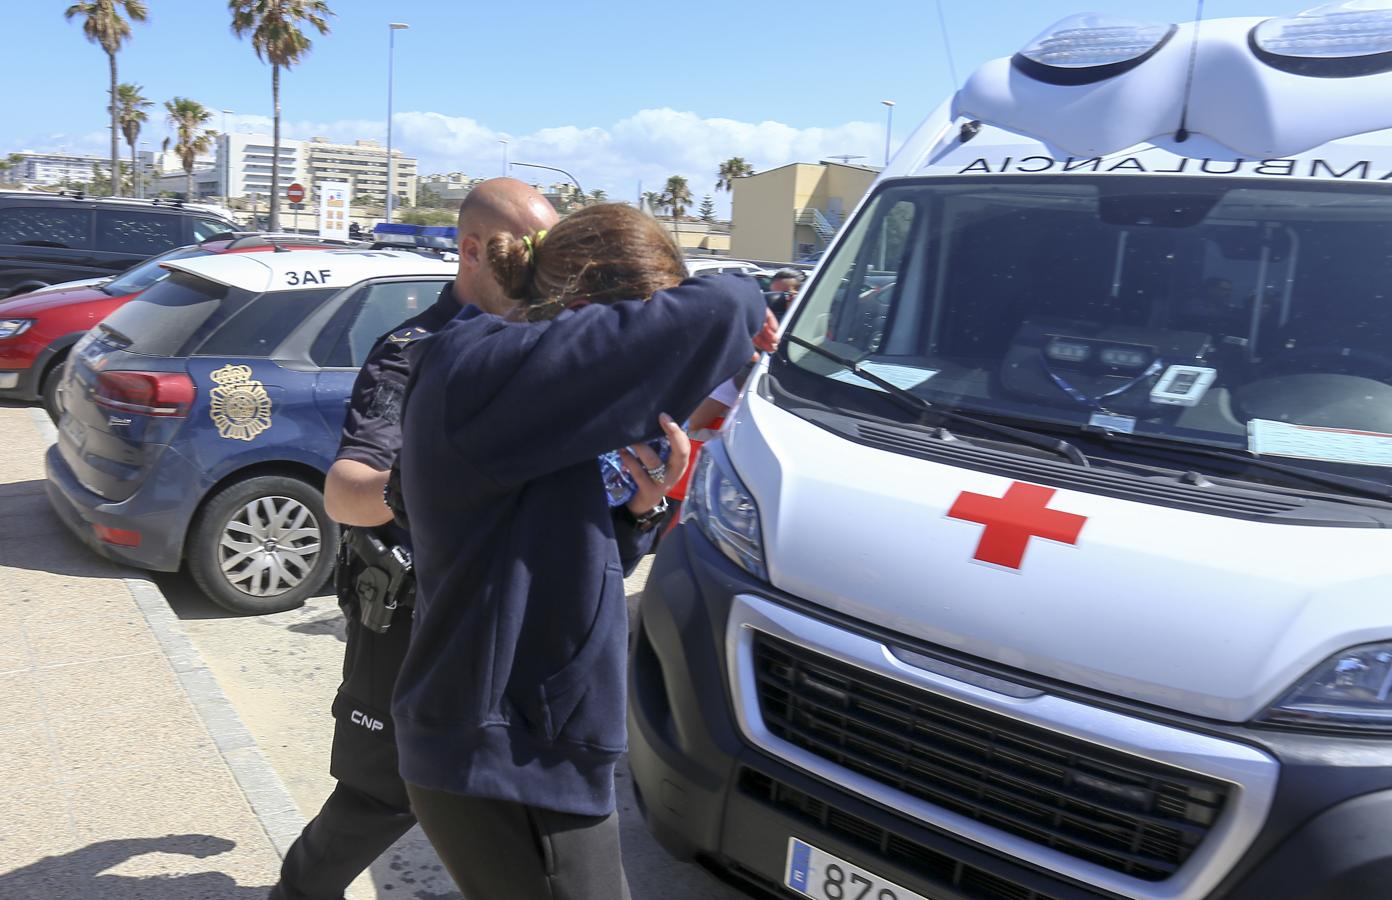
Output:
x,y
368,809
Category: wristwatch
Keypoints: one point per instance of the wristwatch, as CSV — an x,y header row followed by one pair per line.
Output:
x,y
645,522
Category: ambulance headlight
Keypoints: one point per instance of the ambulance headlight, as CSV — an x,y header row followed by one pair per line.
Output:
x,y
1352,689
1089,47
1338,40
725,512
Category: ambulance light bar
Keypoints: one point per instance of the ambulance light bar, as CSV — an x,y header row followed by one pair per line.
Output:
x,y
1089,47
1338,40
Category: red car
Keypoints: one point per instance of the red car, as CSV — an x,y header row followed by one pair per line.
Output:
x,y
37,329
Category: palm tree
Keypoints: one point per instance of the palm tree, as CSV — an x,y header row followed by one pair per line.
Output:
x,y
277,39
104,26
10,163
730,169
187,118
598,195
676,196
131,106
655,201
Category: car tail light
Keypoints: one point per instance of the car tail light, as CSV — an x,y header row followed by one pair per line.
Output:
x,y
121,537
146,393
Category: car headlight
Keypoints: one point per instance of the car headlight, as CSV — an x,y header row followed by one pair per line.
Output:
x,y
11,327
724,510
1352,689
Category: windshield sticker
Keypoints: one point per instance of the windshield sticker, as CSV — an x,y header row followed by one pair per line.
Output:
x,y
1109,422
1338,445
1355,170
905,377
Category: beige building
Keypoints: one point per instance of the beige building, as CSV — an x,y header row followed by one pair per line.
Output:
x,y
697,238
794,210
452,187
362,165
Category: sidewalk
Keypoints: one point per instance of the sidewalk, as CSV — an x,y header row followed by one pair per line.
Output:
x,y
124,771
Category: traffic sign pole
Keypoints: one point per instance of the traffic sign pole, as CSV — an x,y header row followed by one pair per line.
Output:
x,y
295,193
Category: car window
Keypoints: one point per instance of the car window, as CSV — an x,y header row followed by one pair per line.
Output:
x,y
142,275
259,327
206,228
159,321
46,227
370,313
136,233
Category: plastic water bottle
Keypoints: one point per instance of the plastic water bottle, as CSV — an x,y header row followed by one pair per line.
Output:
x,y
618,484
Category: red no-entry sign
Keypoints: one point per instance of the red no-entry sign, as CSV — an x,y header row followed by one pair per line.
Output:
x,y
295,193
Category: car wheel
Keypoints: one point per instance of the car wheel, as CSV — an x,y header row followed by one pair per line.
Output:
x,y
263,545
48,392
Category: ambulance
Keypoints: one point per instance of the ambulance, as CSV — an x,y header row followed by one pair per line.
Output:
x,y
1049,557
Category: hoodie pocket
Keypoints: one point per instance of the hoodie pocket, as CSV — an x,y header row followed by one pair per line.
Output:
x,y
561,694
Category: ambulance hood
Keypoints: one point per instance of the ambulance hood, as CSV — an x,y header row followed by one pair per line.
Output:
x,y
1201,613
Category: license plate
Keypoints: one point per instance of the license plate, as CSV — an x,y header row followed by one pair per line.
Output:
x,y
816,873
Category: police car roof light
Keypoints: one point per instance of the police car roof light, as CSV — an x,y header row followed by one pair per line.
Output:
x,y
1337,40
1090,47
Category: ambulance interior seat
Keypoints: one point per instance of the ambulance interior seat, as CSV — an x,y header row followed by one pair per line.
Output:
x,y
1340,315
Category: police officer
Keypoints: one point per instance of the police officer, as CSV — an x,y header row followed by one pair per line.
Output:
x,y
368,809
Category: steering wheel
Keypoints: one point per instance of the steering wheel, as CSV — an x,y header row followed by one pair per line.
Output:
x,y
1333,360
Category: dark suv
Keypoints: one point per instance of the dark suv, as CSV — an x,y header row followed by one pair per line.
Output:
x,y
51,238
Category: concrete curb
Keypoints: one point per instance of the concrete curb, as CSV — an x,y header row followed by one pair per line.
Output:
x,y
267,795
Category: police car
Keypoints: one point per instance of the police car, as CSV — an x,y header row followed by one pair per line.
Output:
x,y
198,420
1066,572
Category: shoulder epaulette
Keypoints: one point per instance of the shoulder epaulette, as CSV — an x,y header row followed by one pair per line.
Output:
x,y
407,335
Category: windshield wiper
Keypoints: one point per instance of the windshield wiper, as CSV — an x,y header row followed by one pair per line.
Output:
x,y
1348,483
919,405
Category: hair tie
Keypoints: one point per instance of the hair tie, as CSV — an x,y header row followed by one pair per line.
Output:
x,y
532,242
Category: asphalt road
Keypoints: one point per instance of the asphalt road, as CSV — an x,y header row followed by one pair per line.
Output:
x,y
281,671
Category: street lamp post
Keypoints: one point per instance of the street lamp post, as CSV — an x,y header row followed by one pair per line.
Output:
x,y
392,29
507,167
889,125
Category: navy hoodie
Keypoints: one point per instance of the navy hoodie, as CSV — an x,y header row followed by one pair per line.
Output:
x,y
513,686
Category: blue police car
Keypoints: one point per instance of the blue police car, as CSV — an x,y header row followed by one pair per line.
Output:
x,y
198,420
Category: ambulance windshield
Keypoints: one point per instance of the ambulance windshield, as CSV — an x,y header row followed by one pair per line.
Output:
x,y
1248,313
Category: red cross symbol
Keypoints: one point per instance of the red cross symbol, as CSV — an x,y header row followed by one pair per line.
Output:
x,y
1012,520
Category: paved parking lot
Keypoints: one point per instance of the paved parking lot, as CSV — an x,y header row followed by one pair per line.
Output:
x,y
281,671
157,747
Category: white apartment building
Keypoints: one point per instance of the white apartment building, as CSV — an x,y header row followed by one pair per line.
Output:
x,y
42,169
243,165
362,165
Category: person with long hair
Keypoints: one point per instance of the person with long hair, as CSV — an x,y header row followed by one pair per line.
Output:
x,y
510,708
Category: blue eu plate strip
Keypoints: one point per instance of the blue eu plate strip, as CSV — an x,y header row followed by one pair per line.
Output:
x,y
798,869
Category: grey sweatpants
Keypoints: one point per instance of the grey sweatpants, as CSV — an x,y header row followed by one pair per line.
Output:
x,y
496,850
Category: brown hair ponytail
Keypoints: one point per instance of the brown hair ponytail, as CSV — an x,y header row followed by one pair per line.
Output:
x,y
600,254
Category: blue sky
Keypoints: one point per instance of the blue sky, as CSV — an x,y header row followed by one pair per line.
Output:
x,y
617,92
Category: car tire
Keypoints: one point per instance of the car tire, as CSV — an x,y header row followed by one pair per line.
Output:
x,y
262,545
48,389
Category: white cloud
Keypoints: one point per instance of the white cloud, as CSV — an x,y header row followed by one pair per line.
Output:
x,y
648,146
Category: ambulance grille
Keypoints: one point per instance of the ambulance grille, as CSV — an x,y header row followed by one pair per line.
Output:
x,y
968,878
1106,807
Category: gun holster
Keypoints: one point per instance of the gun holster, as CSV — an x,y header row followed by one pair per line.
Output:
x,y
375,577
